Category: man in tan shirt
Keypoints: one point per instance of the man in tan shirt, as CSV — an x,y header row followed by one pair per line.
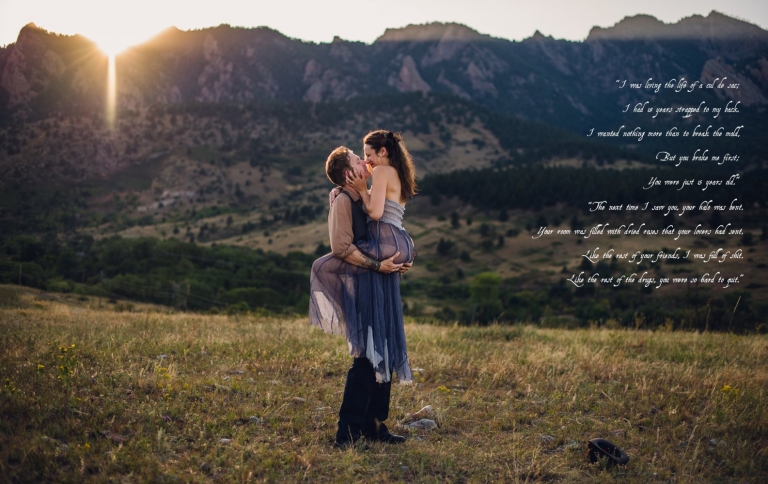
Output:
x,y
365,404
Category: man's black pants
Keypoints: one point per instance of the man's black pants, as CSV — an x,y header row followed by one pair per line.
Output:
x,y
365,404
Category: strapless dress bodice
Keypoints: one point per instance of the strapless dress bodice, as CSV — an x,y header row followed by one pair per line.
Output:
x,y
393,213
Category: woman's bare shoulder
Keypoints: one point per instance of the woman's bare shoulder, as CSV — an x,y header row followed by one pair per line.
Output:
x,y
385,170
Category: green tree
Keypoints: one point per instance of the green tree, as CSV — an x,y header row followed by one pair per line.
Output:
x,y
484,294
455,220
445,247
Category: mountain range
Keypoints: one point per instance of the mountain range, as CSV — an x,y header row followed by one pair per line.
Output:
x,y
557,82
233,116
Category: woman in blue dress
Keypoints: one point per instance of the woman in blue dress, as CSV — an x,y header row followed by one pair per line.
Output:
x,y
365,305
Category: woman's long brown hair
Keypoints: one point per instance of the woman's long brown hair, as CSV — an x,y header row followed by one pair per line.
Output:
x,y
399,158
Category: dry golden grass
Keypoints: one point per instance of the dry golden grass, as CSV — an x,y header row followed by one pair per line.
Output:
x,y
148,396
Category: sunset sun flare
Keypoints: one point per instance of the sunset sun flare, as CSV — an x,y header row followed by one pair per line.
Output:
x,y
114,37
111,104
114,44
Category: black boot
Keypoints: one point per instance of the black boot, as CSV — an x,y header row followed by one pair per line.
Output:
x,y
354,405
378,411
382,434
347,435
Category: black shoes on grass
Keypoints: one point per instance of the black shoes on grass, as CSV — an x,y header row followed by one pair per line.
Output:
x,y
348,437
383,435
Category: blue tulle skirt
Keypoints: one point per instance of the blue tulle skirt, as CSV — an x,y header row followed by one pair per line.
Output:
x,y
365,306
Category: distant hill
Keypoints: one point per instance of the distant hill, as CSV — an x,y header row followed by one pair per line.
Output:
x,y
243,118
232,95
262,157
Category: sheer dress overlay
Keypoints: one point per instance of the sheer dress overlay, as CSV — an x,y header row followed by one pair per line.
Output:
x,y
363,305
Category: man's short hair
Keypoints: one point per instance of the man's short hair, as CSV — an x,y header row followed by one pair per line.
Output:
x,y
337,165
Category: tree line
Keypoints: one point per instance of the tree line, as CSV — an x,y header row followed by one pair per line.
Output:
x,y
168,272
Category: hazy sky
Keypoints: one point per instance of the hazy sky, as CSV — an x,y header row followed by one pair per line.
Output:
x,y
119,23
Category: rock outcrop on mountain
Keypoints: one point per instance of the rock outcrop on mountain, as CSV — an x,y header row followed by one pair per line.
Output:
x,y
557,82
748,93
408,78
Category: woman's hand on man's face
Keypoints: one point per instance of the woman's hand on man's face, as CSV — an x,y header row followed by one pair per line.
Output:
x,y
356,181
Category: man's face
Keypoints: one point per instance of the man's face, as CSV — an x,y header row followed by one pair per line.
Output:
x,y
358,165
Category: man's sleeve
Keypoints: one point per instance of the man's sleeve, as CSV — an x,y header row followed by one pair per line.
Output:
x,y
340,227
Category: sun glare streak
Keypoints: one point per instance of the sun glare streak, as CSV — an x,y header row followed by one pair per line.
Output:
x,y
111,92
113,46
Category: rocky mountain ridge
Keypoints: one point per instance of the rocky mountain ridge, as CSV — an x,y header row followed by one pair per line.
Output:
x,y
237,116
557,82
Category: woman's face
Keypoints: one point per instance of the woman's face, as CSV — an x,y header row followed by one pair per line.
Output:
x,y
373,159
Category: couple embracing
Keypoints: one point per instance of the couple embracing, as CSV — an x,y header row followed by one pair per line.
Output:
x,y
355,290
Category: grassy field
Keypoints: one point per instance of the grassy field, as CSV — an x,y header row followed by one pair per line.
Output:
x,y
99,395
